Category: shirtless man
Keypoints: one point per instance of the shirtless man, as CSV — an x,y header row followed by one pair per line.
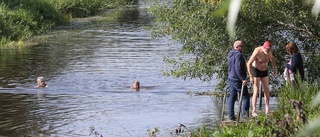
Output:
x,y
257,69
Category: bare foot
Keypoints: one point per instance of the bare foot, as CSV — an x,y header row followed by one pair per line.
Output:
x,y
254,114
269,113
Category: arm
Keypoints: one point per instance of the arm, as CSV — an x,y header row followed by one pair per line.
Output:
x,y
294,63
273,61
252,59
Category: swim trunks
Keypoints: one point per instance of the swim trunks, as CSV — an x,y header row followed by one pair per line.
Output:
x,y
258,73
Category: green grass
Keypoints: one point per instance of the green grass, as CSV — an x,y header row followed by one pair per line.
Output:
x,y
23,19
287,120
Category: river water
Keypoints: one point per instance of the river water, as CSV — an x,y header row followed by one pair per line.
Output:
x,y
89,70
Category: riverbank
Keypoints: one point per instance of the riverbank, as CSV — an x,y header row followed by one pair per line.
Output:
x,y
21,20
88,69
294,117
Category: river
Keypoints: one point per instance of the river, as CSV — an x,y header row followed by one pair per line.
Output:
x,y
89,67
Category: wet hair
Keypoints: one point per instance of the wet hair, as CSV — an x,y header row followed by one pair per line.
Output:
x,y
292,48
40,79
137,84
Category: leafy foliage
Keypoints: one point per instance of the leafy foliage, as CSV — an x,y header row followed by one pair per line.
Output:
x,y
22,19
205,41
288,120
85,8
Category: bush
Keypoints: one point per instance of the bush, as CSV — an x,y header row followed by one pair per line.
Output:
x,y
22,19
293,113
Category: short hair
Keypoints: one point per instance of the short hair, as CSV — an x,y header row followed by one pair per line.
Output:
x,y
138,83
292,48
40,79
237,43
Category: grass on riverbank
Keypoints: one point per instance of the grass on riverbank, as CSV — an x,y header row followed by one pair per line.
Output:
x,y
23,19
293,113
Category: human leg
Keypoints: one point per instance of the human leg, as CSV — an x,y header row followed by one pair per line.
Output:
x,y
266,90
232,99
256,84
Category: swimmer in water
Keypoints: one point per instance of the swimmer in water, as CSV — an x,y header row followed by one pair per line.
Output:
x,y
41,82
136,85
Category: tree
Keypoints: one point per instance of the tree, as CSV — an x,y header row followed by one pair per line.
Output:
x,y
200,26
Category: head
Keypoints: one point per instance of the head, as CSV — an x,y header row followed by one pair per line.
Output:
x,y
267,46
136,85
40,80
238,45
292,48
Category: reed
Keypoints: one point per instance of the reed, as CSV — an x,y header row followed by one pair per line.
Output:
x,y
85,8
23,19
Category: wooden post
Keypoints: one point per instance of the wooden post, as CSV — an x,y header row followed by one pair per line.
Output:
x,y
240,103
224,103
260,96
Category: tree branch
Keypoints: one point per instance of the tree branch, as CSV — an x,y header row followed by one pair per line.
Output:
x,y
305,30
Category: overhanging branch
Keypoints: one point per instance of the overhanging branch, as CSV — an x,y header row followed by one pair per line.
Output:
x,y
305,30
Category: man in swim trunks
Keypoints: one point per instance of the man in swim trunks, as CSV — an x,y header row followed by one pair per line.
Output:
x,y
257,69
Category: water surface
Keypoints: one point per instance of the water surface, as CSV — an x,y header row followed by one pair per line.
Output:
x,y
89,71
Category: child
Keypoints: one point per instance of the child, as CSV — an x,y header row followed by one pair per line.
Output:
x,y
41,82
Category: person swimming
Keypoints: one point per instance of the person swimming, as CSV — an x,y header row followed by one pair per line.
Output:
x,y
41,82
136,85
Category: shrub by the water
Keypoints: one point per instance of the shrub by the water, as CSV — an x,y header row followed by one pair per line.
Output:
x,y
290,118
22,19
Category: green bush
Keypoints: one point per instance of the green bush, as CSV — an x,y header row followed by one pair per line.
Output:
x,y
289,119
22,19
85,8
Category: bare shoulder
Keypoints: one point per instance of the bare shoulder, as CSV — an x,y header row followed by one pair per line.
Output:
x,y
255,51
260,48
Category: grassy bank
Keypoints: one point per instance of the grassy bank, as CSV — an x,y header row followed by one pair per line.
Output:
x,y
22,19
292,117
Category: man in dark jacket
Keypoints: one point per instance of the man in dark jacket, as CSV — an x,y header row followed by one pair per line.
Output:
x,y
237,77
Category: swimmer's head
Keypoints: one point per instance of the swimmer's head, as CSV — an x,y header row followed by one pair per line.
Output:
x,y
41,82
40,79
136,85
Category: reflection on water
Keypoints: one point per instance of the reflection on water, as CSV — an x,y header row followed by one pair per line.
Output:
x,y
88,72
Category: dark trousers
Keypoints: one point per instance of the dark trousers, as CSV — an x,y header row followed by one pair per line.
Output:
x,y
235,89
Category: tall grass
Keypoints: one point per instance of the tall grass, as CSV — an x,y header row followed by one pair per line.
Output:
x,y
290,118
22,19
85,8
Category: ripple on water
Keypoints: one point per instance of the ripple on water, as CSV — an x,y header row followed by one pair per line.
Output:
x,y
89,74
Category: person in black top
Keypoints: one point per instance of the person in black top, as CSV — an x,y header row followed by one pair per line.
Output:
x,y
295,65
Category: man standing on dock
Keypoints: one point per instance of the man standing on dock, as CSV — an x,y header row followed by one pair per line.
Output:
x,y
258,71
237,78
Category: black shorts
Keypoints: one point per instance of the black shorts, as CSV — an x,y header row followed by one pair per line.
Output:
x,y
258,73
